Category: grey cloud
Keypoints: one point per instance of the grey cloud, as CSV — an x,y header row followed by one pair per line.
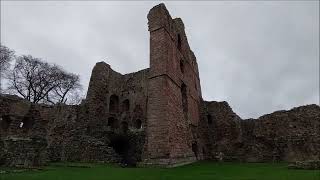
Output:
x,y
258,56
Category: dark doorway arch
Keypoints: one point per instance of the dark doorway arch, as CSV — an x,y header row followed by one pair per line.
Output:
x,y
121,145
114,104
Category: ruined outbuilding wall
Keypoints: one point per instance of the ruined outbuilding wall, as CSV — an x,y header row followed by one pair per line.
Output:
x,y
292,135
280,136
22,133
34,134
121,98
116,107
223,131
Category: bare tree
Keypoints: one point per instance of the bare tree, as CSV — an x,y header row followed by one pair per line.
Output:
x,y
6,56
38,81
68,84
32,79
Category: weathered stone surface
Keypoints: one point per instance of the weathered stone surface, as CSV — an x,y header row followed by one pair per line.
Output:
x,y
25,152
280,136
223,129
286,135
155,116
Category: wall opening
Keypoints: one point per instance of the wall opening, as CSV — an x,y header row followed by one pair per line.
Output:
x,y
179,42
26,124
124,127
125,105
195,149
138,124
209,117
184,98
5,122
114,104
112,123
182,66
121,145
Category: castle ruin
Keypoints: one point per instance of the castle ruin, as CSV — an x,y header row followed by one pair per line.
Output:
x,y
155,116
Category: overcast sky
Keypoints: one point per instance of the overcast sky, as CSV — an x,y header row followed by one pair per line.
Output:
x,y
258,56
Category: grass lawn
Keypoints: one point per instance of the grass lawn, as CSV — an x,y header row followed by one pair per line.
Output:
x,y
196,171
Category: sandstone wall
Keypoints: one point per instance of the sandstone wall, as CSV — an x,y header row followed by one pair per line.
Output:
x,y
22,133
284,135
174,93
155,116
280,136
116,107
223,130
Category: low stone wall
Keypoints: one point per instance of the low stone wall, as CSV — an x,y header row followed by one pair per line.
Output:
x,y
25,152
309,165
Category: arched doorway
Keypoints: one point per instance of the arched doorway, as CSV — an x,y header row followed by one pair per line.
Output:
x,y
121,145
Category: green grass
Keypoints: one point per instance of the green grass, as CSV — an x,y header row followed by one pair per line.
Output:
x,y
196,171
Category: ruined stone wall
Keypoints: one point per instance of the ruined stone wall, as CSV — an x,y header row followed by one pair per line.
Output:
x,y
22,133
280,136
292,135
116,107
155,116
174,92
48,134
121,98
223,130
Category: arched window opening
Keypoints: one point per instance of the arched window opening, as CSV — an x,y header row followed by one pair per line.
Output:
x,y
27,123
182,66
184,98
112,122
209,118
138,124
179,42
5,122
114,104
125,105
124,127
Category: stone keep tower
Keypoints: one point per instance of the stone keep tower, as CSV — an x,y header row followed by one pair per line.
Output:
x,y
174,93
